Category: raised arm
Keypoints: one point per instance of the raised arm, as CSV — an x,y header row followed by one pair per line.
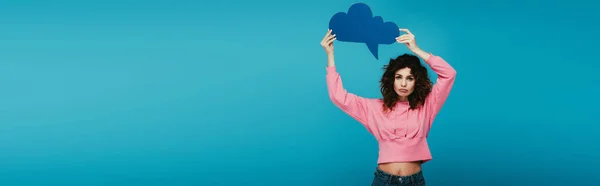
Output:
x,y
353,105
446,75
443,85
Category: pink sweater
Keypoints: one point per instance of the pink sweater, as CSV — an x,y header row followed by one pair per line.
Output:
x,y
401,134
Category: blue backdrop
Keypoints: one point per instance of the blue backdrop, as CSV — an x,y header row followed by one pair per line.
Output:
x,y
233,93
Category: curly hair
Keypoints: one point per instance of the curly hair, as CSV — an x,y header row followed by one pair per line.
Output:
x,y
422,83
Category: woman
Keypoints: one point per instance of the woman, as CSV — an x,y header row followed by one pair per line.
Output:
x,y
400,121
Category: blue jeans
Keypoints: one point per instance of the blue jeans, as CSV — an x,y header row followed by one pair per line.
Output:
x,y
382,178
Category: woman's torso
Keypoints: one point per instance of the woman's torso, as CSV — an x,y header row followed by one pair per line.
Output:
x,y
402,123
401,168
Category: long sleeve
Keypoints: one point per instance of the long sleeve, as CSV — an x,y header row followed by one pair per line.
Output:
x,y
441,89
353,105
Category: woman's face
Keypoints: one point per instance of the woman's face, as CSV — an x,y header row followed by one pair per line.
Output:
x,y
404,83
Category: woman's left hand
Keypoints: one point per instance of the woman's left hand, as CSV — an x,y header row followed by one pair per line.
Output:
x,y
408,39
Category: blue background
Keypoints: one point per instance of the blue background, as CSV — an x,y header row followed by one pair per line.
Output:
x,y
233,93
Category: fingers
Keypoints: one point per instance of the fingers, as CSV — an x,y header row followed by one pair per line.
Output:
x,y
330,36
327,35
405,38
406,30
328,39
403,41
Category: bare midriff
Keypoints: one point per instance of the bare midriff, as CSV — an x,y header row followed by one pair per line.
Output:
x,y
401,168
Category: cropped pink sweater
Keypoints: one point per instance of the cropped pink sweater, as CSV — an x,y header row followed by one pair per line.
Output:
x,y
401,134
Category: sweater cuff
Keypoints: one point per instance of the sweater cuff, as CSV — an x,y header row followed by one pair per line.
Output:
x,y
330,69
431,57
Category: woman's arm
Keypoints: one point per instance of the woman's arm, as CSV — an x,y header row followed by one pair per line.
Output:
x,y
446,74
443,85
422,54
330,60
353,105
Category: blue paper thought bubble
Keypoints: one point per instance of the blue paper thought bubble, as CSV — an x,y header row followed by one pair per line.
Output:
x,y
359,25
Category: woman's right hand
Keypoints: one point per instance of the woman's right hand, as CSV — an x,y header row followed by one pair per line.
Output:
x,y
327,42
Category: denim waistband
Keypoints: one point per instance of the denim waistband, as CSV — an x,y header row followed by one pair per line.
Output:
x,y
389,178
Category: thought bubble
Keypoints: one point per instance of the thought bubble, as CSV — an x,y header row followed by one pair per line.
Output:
x,y
359,26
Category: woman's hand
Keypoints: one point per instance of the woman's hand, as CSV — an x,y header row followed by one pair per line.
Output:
x,y
408,39
327,42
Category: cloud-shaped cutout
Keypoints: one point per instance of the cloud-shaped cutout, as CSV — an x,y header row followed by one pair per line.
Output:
x,y
359,25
